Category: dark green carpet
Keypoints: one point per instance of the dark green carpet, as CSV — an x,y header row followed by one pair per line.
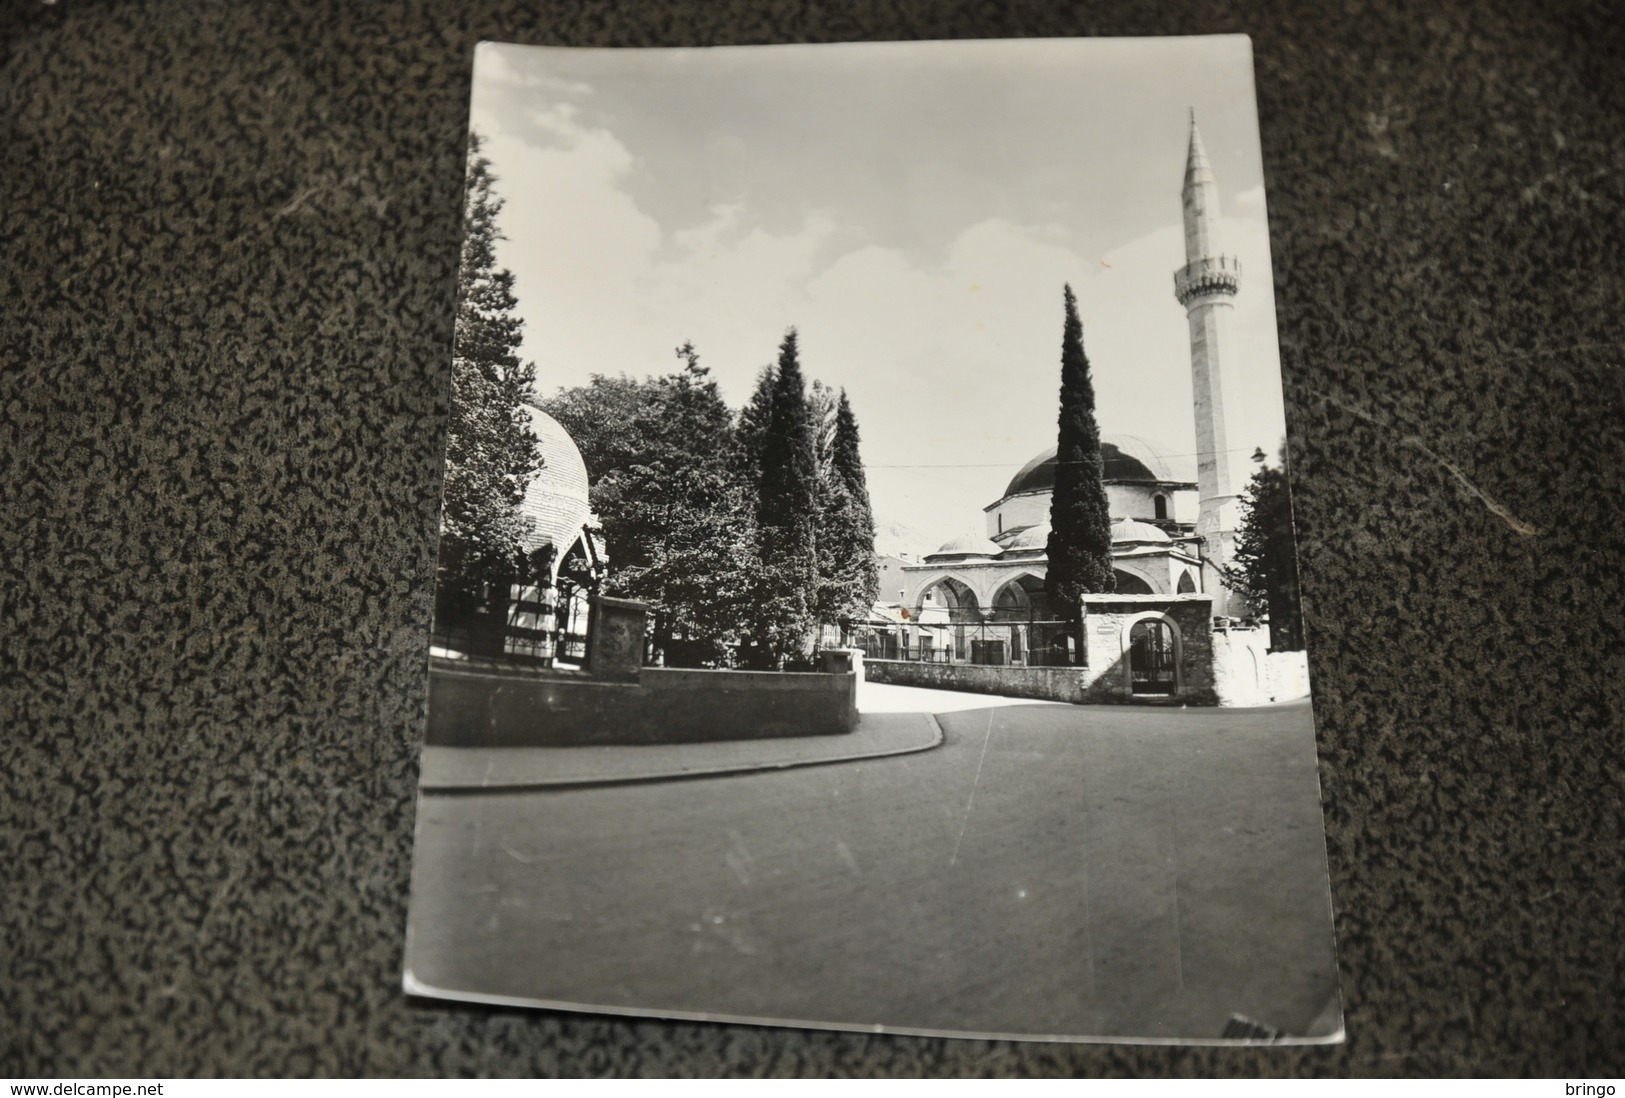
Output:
x,y
228,237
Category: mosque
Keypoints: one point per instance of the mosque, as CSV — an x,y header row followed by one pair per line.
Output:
x,y
1173,517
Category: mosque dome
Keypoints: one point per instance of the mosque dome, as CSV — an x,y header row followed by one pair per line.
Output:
x,y
1034,537
556,499
1128,531
968,544
1126,459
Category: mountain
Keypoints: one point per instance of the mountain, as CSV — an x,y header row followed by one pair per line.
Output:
x,y
893,539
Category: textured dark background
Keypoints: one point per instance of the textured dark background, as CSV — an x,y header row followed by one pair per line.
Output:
x,y
229,242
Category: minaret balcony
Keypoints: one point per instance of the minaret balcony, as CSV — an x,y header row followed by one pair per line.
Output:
x,y
1214,274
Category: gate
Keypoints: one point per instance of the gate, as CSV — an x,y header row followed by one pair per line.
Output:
x,y
1151,657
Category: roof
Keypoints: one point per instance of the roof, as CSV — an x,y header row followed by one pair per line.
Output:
x,y
968,544
1128,531
1029,538
556,498
1126,459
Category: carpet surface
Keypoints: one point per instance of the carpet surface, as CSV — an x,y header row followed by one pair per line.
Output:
x,y
228,244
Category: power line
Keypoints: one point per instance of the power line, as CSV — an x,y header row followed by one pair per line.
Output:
x,y
1011,464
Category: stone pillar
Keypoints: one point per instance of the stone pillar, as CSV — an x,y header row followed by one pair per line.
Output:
x,y
615,635
844,661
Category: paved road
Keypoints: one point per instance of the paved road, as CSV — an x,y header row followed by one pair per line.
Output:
x,y
1048,870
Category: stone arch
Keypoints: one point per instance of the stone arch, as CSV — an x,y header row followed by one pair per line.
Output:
x,y
1130,584
952,638
1017,602
1187,585
1127,637
960,597
1021,592
920,588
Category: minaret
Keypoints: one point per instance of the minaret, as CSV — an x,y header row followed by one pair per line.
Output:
x,y
1206,286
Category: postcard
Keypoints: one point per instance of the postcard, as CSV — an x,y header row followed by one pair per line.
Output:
x,y
867,595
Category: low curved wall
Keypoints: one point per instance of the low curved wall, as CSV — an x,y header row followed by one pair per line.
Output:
x,y
1065,684
471,707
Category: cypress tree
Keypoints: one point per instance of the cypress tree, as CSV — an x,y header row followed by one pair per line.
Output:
x,y
1080,538
786,517
821,401
751,431
1264,566
849,577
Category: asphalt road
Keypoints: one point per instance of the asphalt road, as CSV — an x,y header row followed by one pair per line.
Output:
x,y
1049,870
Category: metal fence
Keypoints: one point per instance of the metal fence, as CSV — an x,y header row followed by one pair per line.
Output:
x,y
534,626
994,644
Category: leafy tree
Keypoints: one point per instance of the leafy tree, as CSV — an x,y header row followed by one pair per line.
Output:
x,y
786,560
1080,539
659,455
600,417
848,574
490,449
1264,566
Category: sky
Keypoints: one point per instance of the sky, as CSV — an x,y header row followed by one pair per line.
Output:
x,y
913,209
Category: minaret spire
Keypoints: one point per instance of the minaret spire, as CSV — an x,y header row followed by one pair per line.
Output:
x,y
1197,168
1206,285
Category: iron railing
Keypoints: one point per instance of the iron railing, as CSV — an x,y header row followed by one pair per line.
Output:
x,y
994,644
534,626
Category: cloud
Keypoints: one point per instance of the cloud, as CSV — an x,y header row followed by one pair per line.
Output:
x,y
950,352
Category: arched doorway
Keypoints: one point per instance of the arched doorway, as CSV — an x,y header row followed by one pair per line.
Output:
x,y
577,580
1153,654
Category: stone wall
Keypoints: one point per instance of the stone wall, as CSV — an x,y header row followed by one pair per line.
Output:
x,y
1109,621
1066,684
1287,674
1246,672
1239,667
492,707
1106,680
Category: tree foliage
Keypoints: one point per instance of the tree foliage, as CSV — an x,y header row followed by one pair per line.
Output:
x,y
1080,539
848,574
1264,565
786,561
750,434
750,529
490,449
659,460
600,417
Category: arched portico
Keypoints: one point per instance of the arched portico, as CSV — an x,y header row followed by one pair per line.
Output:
x,y
1128,583
1020,597
1019,618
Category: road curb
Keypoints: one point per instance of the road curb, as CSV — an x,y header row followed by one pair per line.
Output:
x,y
434,788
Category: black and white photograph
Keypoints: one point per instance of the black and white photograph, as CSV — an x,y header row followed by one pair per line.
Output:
x,y
867,592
